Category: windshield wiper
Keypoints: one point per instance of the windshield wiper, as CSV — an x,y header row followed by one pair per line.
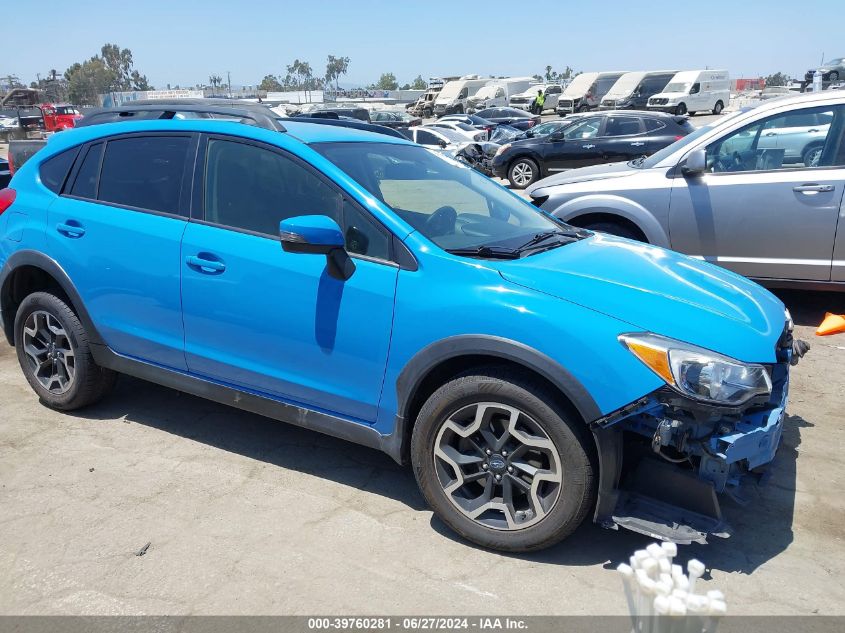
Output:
x,y
488,252
545,235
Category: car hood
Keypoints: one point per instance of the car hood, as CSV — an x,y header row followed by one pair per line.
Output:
x,y
660,291
585,174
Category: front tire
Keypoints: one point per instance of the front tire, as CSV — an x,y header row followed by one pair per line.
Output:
x,y
501,462
681,109
834,76
523,172
811,155
55,356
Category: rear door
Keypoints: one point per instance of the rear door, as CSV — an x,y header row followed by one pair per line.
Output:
x,y
116,230
759,215
623,138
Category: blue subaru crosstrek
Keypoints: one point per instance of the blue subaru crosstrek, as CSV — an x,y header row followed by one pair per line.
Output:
x,y
362,286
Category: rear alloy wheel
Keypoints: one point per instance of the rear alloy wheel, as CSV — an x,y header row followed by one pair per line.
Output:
x,y
717,109
54,354
681,109
523,172
500,463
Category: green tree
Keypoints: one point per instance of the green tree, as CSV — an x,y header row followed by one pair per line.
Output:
x,y
215,81
336,67
778,79
270,83
110,71
387,81
419,83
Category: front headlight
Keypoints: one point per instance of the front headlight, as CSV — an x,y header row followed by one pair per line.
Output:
x,y
502,149
697,372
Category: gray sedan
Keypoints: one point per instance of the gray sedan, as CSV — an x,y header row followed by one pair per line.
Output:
x,y
759,192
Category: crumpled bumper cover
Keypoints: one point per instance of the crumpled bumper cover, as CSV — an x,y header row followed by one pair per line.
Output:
x,y
665,458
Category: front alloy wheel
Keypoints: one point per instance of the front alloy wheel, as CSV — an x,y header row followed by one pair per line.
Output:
x,y
501,461
522,173
497,466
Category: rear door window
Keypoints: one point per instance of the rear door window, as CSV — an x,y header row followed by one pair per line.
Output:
x,y
144,172
85,184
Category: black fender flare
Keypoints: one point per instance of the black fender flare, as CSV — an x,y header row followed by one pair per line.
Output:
x,y
431,356
41,261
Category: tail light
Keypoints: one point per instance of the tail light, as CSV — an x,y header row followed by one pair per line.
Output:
x,y
678,138
11,164
7,197
531,123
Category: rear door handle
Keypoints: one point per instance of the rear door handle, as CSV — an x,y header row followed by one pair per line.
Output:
x,y
637,144
70,229
588,146
812,188
205,265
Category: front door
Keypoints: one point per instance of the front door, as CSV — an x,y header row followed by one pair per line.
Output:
x,y
275,322
758,214
577,148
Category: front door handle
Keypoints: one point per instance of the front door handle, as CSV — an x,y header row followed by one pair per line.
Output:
x,y
771,134
70,229
813,188
588,146
205,265
637,144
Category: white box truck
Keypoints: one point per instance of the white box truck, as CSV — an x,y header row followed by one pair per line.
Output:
x,y
692,91
497,93
453,98
586,91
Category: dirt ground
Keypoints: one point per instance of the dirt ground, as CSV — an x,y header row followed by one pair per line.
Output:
x,y
246,515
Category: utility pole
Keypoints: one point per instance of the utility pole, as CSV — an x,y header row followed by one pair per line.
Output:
x,y
229,78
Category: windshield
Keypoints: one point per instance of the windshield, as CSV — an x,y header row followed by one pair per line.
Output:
x,y
625,85
679,86
487,92
451,204
834,62
450,90
66,110
544,129
579,85
654,159
505,133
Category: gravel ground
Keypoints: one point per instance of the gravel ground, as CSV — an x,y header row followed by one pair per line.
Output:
x,y
247,515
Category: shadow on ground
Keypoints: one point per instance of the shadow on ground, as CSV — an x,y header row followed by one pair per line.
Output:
x,y
808,308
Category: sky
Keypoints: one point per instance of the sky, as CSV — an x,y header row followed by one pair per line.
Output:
x,y
184,41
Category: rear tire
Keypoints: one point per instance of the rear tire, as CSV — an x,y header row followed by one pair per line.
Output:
x,y
55,356
523,172
717,109
811,154
614,228
478,444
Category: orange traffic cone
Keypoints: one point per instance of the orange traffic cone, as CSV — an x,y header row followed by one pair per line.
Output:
x,y
832,324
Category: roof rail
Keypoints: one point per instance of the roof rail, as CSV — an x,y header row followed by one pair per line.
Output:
x,y
257,115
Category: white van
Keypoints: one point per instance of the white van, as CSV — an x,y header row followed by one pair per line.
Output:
x,y
525,100
497,93
633,90
454,95
586,91
692,91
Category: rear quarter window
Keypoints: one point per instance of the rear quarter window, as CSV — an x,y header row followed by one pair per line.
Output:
x,y
55,169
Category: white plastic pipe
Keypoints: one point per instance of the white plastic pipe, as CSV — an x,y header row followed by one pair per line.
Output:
x,y
628,583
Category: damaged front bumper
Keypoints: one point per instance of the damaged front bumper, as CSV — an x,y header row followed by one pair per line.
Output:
x,y
665,459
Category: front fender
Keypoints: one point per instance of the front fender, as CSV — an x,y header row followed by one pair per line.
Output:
x,y
610,204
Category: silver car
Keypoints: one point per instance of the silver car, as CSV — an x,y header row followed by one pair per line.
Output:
x,y
759,192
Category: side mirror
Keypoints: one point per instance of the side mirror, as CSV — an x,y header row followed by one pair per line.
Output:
x,y
557,136
695,163
317,235
443,144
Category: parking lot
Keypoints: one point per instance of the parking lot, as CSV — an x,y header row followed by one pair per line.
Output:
x,y
246,515
237,514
